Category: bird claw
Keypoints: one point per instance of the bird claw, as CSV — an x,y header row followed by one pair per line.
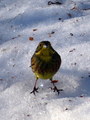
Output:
x,y
55,89
34,90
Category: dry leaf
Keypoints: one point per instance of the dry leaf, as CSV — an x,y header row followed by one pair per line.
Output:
x,y
34,29
72,50
31,38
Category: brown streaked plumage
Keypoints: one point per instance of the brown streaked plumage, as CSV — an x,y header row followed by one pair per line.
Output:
x,y
45,62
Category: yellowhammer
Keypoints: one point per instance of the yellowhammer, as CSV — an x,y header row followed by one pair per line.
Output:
x,y
45,62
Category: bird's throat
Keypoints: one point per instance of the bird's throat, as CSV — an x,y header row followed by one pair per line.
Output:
x,y
44,55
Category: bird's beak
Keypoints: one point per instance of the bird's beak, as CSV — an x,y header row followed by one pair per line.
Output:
x,y
44,46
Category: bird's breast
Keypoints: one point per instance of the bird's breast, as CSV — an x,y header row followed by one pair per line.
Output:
x,y
45,58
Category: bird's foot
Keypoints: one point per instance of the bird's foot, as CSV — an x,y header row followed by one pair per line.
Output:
x,y
55,89
34,91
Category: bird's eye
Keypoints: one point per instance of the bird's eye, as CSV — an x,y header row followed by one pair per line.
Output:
x,y
40,45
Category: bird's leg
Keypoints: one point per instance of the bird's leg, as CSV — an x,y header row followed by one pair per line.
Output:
x,y
35,89
54,87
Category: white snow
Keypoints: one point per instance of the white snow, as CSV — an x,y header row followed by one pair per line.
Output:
x,y
67,27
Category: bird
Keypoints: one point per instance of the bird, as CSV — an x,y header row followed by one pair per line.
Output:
x,y
45,62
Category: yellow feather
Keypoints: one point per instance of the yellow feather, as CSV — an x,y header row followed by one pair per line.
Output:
x,y
45,54
45,76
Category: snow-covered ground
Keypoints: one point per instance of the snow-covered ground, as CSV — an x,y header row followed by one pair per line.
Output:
x,y
23,24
